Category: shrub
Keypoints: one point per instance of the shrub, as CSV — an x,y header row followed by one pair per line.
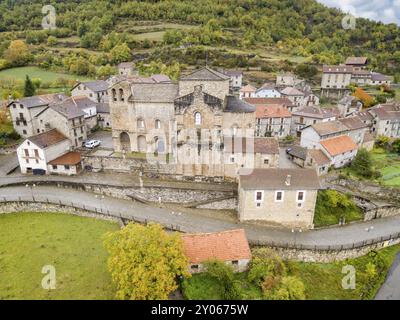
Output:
x,y
265,263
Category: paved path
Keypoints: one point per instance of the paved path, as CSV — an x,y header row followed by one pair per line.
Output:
x,y
390,290
192,222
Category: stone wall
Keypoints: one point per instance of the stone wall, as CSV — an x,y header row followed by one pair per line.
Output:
x,y
327,256
381,212
13,207
225,204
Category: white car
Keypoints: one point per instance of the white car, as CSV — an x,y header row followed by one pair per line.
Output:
x,y
92,144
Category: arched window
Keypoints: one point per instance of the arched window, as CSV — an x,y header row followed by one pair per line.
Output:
x,y
197,118
140,123
157,124
114,94
121,94
234,129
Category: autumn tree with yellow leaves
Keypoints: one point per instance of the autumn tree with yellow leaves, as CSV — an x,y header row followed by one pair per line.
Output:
x,y
145,262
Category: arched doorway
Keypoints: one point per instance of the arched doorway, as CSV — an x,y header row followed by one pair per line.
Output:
x,y
142,145
125,141
159,145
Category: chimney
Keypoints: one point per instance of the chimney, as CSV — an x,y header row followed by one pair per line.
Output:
x,y
288,178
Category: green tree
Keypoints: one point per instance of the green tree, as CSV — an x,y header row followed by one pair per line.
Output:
x,y
224,274
396,146
265,263
362,164
288,288
29,87
120,53
17,53
51,41
145,261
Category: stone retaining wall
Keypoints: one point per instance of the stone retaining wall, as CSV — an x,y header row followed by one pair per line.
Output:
x,y
226,204
381,212
327,256
12,207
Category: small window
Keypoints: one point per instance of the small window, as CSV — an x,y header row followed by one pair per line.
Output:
x,y
278,196
258,204
259,195
197,118
300,196
66,167
235,262
14,105
232,159
54,166
195,267
158,124
24,131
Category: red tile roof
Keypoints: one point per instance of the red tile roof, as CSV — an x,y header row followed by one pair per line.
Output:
x,y
248,88
224,246
272,111
338,145
70,158
48,138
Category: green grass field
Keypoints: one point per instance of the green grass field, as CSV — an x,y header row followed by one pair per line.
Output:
x,y
389,166
35,72
322,281
72,244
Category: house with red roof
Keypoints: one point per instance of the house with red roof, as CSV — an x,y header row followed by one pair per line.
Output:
x,y
273,120
229,246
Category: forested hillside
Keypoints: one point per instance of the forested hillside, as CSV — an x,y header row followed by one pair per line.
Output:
x,y
240,30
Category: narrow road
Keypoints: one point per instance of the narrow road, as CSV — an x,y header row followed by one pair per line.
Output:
x,y
390,290
192,222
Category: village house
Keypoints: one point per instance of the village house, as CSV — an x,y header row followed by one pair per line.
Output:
x,y
358,63
294,95
349,105
229,246
35,152
88,107
285,102
67,118
284,80
68,164
267,90
356,128
378,79
285,197
126,69
94,90
309,158
386,120
308,116
335,80
273,121
103,115
248,153
341,150
368,142
247,91
23,112
236,78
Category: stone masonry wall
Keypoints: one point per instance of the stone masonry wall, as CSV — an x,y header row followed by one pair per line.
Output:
x,y
381,213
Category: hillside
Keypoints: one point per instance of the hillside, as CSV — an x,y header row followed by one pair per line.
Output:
x,y
271,34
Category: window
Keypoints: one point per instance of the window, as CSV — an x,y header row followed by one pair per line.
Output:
x,y
266,161
66,167
26,152
158,124
235,262
54,167
195,267
197,118
278,196
259,196
121,94
14,105
36,153
300,196
140,123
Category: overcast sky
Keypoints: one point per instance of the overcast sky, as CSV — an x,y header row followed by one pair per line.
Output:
x,y
386,11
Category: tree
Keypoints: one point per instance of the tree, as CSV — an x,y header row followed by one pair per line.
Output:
x,y
120,53
17,53
364,97
104,72
29,88
224,274
51,41
265,263
362,164
306,71
396,146
145,261
382,141
288,288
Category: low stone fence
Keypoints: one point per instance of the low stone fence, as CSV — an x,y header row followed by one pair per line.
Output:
x,y
381,212
327,254
23,204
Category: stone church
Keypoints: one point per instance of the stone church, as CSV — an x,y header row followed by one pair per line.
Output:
x,y
191,120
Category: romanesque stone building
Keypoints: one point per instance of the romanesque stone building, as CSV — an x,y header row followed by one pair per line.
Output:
x,y
188,121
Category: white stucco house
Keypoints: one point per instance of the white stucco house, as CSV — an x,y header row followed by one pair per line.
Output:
x,y
267,90
37,151
340,150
